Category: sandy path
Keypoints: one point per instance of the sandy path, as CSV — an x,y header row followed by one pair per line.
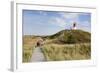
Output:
x,y
37,55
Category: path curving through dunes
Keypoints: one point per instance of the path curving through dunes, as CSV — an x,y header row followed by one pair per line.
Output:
x,y
37,55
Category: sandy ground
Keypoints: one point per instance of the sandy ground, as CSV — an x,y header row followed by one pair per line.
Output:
x,y
37,55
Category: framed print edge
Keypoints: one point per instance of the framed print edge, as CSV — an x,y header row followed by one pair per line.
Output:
x,y
16,37
13,36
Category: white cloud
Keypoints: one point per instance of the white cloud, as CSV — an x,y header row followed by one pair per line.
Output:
x,y
57,21
60,22
69,15
65,20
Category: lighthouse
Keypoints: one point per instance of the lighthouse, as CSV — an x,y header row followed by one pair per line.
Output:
x,y
74,26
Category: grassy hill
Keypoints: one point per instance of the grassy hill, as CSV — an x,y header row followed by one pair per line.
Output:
x,y
64,45
70,37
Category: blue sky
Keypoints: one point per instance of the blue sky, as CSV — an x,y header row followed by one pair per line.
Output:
x,y
37,22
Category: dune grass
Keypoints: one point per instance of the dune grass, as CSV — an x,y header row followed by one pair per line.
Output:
x,y
55,52
27,53
28,48
64,45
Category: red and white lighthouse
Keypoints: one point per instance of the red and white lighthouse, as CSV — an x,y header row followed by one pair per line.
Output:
x,y
74,26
